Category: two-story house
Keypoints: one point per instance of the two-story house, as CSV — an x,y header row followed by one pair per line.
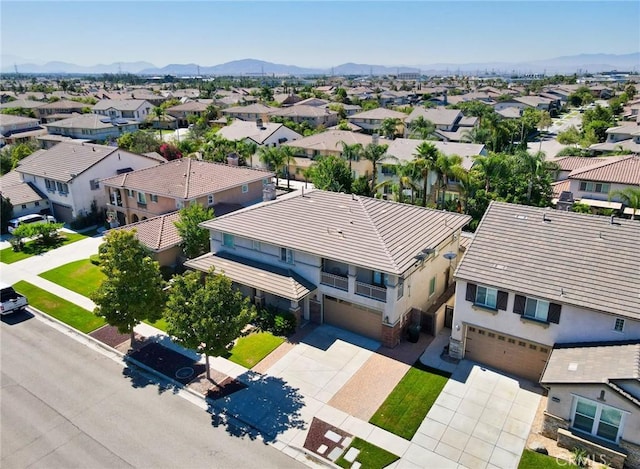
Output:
x,y
359,263
252,112
314,116
69,174
137,110
48,112
623,137
149,192
17,129
91,127
371,120
190,110
267,134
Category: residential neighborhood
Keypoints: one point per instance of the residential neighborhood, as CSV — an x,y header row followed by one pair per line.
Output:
x,y
362,270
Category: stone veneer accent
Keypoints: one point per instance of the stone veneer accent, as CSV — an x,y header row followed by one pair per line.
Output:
x,y
551,424
633,453
391,335
595,452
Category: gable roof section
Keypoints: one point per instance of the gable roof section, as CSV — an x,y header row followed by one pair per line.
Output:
x,y
405,149
330,140
256,108
85,121
372,233
621,171
65,161
438,116
157,233
570,163
187,178
571,258
379,113
119,104
302,110
239,130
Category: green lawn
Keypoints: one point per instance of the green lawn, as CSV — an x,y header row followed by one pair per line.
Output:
x,y
370,456
532,460
407,405
69,313
159,324
249,350
81,276
35,247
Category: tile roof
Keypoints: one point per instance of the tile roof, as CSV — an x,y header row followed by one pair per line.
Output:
x,y
627,145
268,278
8,119
372,233
119,104
379,114
593,364
330,140
559,187
239,130
65,161
187,178
256,108
189,106
22,103
405,149
569,163
157,233
622,171
84,121
439,116
572,258
64,104
13,188
302,111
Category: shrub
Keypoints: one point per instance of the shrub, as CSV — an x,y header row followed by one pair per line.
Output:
x,y
580,457
94,259
280,323
167,272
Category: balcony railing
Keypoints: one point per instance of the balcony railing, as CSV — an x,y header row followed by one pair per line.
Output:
x,y
371,291
335,281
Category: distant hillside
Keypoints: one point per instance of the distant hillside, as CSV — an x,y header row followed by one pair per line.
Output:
x,y
592,63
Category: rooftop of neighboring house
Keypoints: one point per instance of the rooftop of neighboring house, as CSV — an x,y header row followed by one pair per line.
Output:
x,y
510,113
299,110
312,102
64,104
12,187
371,233
119,104
86,121
239,130
439,116
157,233
627,145
631,129
533,101
570,163
331,140
350,125
187,178
588,261
22,103
193,106
405,149
379,113
8,119
64,161
593,363
256,108
625,170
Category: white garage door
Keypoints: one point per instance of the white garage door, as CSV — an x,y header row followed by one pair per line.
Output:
x,y
511,354
352,317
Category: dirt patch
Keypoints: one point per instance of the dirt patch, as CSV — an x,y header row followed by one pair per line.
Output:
x,y
225,388
202,384
109,335
168,362
317,438
536,440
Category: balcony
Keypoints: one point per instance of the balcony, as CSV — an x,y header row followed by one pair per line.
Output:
x,y
335,281
371,291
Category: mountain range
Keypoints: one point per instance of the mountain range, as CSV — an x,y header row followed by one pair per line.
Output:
x,y
591,63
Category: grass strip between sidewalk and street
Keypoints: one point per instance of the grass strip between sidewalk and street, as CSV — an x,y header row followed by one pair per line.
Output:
x,y
81,276
533,460
370,456
406,407
35,247
61,309
251,349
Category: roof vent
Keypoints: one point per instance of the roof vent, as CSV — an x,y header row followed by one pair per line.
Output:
x,y
573,366
521,217
545,219
500,266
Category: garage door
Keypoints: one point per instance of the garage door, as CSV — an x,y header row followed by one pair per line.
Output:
x,y
352,317
62,213
511,354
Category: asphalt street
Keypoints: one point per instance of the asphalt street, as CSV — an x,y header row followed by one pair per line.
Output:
x,y
65,405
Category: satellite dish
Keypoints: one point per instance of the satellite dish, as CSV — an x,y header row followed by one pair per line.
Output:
x,y
450,255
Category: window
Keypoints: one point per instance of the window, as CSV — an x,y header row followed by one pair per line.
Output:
x,y
597,419
400,288
432,286
256,245
62,187
588,186
486,297
24,206
286,255
379,279
179,204
94,184
227,240
130,193
210,200
245,188
142,198
618,325
37,203
536,309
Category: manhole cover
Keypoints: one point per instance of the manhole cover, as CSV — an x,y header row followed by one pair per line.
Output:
x,y
185,372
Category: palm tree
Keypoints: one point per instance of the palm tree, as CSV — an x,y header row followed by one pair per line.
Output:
x,y
534,167
476,135
629,196
351,152
425,160
287,154
447,167
159,112
492,167
246,150
272,158
421,128
374,153
389,126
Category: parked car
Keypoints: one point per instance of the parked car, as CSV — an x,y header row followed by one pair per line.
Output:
x,y
33,218
12,301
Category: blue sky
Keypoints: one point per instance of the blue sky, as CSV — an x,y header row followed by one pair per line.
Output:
x,y
316,33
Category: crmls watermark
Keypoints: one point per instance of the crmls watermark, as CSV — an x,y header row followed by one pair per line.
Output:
x,y
584,460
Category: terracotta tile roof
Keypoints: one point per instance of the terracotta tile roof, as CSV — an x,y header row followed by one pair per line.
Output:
x,y
187,178
569,163
571,258
372,233
157,233
621,171
560,187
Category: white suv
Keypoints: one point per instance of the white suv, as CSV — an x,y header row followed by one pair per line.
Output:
x,y
33,218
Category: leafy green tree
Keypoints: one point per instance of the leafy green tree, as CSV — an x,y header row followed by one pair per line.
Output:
x,y
139,142
6,213
492,168
374,153
331,173
195,239
581,208
630,197
425,160
133,287
571,136
360,186
206,314
580,97
19,111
